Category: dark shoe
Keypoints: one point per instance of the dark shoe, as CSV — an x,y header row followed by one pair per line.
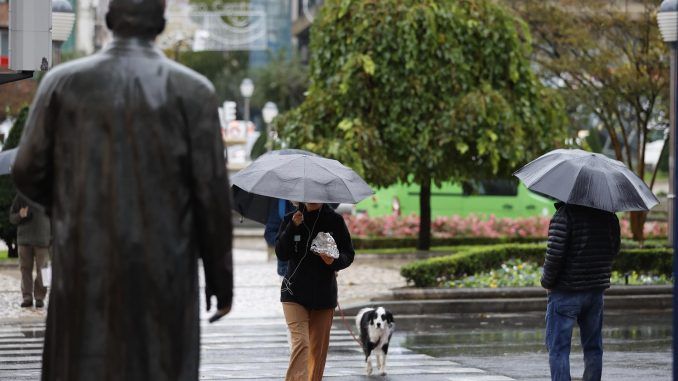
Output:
x,y
39,304
27,303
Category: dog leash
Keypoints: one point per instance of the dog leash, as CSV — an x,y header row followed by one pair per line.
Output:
x,y
348,327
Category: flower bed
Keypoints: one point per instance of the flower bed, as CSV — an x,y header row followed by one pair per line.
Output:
x,y
518,273
435,272
472,226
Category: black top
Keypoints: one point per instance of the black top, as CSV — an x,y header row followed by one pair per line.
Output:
x,y
32,230
309,281
581,247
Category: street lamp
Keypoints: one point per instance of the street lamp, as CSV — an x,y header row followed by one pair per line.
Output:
x,y
667,17
63,18
270,111
246,90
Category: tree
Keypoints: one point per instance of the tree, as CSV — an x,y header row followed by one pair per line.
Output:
x,y
423,91
610,62
283,80
7,190
225,69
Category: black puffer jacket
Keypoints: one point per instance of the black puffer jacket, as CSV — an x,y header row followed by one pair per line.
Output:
x,y
312,283
581,247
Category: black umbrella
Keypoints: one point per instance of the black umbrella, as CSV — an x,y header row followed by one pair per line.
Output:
x,y
6,161
583,178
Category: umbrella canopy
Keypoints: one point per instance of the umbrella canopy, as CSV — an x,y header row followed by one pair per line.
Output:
x,y
583,178
6,161
254,206
302,177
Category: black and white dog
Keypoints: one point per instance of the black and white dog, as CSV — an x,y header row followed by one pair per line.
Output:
x,y
376,327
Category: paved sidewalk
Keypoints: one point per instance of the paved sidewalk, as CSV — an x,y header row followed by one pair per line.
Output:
x,y
251,342
10,299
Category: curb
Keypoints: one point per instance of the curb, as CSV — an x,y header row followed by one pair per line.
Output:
x,y
406,293
452,301
248,232
9,264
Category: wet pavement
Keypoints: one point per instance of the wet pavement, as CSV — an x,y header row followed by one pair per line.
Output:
x,y
251,342
637,345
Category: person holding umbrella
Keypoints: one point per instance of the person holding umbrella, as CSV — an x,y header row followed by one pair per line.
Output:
x,y
583,239
309,289
314,239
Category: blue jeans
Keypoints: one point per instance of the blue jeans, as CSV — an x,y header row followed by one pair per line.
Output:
x,y
563,311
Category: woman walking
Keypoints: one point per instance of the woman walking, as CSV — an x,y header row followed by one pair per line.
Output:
x,y
309,289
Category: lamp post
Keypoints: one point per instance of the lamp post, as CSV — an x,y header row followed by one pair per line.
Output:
x,y
246,90
270,111
63,18
667,17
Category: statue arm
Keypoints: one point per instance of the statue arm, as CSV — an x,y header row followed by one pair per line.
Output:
x,y
32,170
212,208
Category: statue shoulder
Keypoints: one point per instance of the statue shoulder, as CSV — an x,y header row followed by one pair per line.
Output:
x,y
189,77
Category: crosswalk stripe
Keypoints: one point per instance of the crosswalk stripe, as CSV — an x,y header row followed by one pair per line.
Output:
x,y
234,351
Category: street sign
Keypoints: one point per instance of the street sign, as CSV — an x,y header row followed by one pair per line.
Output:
x,y
237,131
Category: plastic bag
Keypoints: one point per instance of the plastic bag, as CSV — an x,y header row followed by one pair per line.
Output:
x,y
46,275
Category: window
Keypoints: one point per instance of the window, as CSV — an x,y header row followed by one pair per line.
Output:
x,y
4,42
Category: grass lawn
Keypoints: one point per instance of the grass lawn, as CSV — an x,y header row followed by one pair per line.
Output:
x,y
3,255
661,175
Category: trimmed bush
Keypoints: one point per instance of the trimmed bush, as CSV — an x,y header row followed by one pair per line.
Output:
x,y
363,243
657,261
436,271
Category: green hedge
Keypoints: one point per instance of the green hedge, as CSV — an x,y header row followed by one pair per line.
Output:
x,y
366,243
363,243
434,271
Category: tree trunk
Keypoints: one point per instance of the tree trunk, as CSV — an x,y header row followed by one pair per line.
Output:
x,y
424,242
637,225
12,249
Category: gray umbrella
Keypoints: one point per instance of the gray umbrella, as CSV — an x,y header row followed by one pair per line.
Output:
x,y
590,179
254,206
6,161
304,178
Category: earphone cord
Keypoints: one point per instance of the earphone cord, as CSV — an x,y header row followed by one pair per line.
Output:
x,y
287,282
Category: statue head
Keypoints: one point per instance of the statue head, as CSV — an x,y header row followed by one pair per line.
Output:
x,y
136,18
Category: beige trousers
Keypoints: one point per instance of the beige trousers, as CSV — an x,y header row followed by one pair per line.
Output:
x,y
29,255
310,338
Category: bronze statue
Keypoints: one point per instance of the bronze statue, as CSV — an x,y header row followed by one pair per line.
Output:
x,y
123,149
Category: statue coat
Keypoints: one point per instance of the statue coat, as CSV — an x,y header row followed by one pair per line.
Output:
x,y
123,149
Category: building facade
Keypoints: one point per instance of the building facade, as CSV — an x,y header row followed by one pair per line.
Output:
x,y
278,30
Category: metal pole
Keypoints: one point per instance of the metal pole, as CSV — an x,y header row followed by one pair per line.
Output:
x,y
673,205
247,109
269,140
672,141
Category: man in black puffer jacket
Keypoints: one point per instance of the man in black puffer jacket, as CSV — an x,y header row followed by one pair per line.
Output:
x,y
582,244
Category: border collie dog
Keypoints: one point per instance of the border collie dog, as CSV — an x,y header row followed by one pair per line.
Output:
x,y
376,327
